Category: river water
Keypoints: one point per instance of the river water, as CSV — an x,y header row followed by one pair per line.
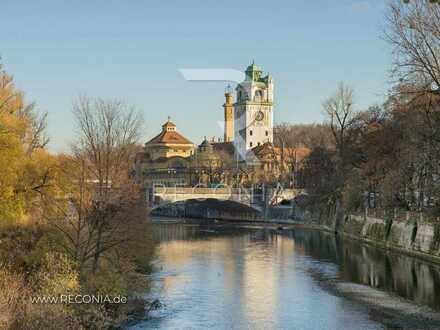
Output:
x,y
230,277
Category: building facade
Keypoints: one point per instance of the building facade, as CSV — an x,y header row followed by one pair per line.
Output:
x,y
246,155
253,111
165,159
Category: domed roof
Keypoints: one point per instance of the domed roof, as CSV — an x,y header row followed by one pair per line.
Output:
x,y
169,135
253,73
253,67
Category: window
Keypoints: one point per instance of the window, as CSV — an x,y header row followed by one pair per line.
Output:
x,y
267,133
250,144
258,143
250,132
258,95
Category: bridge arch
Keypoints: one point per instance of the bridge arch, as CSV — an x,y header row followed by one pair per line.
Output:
x,y
168,195
209,208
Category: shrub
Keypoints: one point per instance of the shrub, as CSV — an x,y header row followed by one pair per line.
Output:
x,y
12,288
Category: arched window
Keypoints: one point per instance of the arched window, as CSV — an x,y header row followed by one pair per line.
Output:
x,y
258,95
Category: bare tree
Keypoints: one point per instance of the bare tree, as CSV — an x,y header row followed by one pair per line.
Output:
x,y
108,133
302,135
414,32
339,109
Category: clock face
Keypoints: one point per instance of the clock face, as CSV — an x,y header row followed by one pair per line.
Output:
x,y
259,116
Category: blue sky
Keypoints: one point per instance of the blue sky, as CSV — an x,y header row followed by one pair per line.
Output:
x,y
132,50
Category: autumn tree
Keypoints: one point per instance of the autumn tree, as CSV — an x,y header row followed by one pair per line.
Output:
x,y
25,165
71,222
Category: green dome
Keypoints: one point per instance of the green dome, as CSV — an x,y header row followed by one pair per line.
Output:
x,y
252,68
253,72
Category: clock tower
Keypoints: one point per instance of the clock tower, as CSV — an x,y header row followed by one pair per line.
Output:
x,y
253,111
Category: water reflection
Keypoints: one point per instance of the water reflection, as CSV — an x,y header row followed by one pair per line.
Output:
x,y
408,277
228,278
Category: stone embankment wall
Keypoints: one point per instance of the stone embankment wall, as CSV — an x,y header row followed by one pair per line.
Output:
x,y
413,235
407,232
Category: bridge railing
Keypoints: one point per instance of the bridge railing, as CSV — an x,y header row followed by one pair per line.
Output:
x,y
167,194
160,194
200,190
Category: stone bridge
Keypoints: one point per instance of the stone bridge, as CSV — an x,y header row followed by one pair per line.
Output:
x,y
158,196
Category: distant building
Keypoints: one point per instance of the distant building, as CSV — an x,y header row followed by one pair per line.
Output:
x,y
253,111
245,156
165,159
169,143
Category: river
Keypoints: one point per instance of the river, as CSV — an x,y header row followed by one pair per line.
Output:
x,y
245,277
